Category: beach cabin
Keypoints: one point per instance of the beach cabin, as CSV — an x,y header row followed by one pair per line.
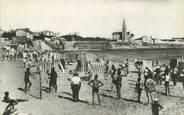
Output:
x,y
20,36
144,40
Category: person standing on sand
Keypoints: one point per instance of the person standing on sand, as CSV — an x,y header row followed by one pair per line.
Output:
x,y
113,68
147,74
121,70
3,55
167,77
114,76
27,80
157,75
15,55
149,88
53,79
28,63
174,75
182,77
156,107
167,70
138,65
95,84
75,86
118,84
127,67
138,89
106,71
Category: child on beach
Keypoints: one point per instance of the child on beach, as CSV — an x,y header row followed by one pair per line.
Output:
x,y
138,89
10,109
6,97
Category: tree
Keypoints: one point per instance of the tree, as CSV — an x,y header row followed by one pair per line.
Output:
x,y
9,34
42,36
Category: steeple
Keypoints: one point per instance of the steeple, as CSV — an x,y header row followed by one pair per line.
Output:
x,y
124,32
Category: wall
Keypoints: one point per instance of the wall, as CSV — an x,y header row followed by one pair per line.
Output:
x,y
92,45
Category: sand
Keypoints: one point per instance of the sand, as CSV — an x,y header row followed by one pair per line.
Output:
x,y
60,103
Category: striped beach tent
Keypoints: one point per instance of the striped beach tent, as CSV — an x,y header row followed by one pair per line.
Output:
x,y
97,68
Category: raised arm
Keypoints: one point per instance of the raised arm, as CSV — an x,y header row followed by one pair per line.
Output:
x,y
161,107
101,84
89,83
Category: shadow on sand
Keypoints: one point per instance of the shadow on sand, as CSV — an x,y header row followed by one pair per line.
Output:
x,y
163,93
18,100
46,89
132,100
110,96
21,89
67,93
108,90
34,96
21,100
70,99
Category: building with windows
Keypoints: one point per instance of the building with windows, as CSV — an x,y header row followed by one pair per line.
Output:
x,y
22,35
48,33
181,39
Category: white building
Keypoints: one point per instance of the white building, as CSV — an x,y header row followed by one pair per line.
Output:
x,y
181,39
145,40
48,33
20,33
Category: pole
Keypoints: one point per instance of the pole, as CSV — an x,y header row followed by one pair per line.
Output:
x,y
39,69
40,81
40,85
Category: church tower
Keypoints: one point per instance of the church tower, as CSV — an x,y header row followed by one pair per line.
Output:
x,y
124,32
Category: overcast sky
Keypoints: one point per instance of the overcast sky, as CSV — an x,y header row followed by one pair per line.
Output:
x,y
157,18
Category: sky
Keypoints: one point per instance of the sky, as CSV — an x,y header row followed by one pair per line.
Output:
x,y
157,18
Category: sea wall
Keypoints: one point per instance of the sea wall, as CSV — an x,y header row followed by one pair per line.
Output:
x,y
105,45
164,45
92,45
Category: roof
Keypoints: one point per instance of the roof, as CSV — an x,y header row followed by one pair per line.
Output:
x,y
20,30
140,38
25,30
47,31
60,38
116,33
178,38
167,39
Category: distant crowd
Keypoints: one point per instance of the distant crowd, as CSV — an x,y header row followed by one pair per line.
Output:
x,y
147,79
